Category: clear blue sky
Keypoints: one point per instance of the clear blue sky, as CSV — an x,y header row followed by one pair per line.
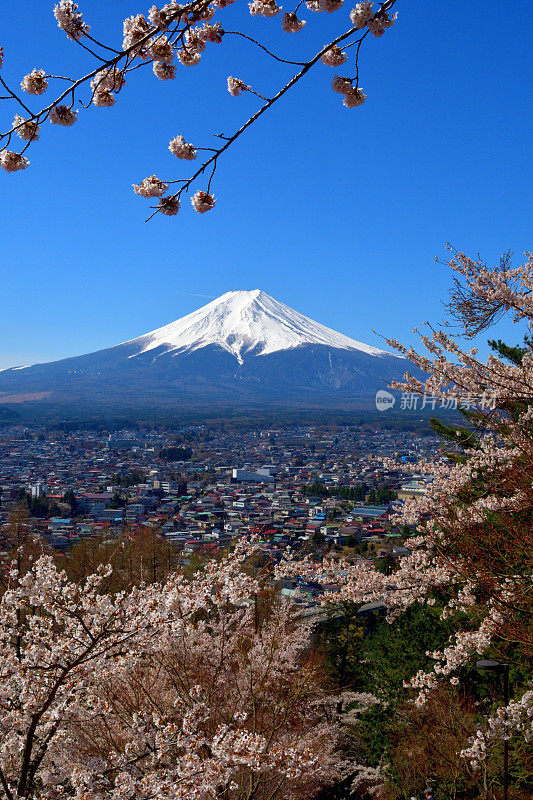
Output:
x,y
338,213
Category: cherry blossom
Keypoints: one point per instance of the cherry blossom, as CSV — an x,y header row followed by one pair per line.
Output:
x,y
135,30
515,718
108,80
63,115
171,690
329,6
26,129
173,35
378,24
195,41
236,86
163,17
189,58
362,13
211,33
11,162
334,57
104,99
164,71
353,98
182,149
291,23
160,49
202,202
70,20
169,206
473,539
264,8
150,187
35,82
341,85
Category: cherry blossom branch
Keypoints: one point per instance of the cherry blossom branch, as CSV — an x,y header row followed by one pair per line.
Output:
x,y
171,31
14,97
5,785
111,49
250,121
107,65
272,55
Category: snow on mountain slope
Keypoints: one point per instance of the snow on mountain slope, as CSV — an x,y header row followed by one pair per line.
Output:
x,y
244,322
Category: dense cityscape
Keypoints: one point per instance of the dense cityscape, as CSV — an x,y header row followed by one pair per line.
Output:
x,y
305,488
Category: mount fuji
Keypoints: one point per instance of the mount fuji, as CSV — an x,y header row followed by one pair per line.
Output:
x,y
244,347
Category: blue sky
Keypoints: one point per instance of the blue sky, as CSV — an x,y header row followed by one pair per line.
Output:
x,y
338,213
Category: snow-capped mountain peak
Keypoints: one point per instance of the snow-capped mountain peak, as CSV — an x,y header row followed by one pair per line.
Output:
x,y
242,349
246,322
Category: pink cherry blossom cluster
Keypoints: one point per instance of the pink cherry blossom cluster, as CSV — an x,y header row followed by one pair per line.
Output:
x,y
264,8
290,22
70,20
105,85
172,690
515,718
334,57
35,82
368,779
150,187
182,149
484,495
11,162
26,129
353,96
63,115
363,14
236,86
202,202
